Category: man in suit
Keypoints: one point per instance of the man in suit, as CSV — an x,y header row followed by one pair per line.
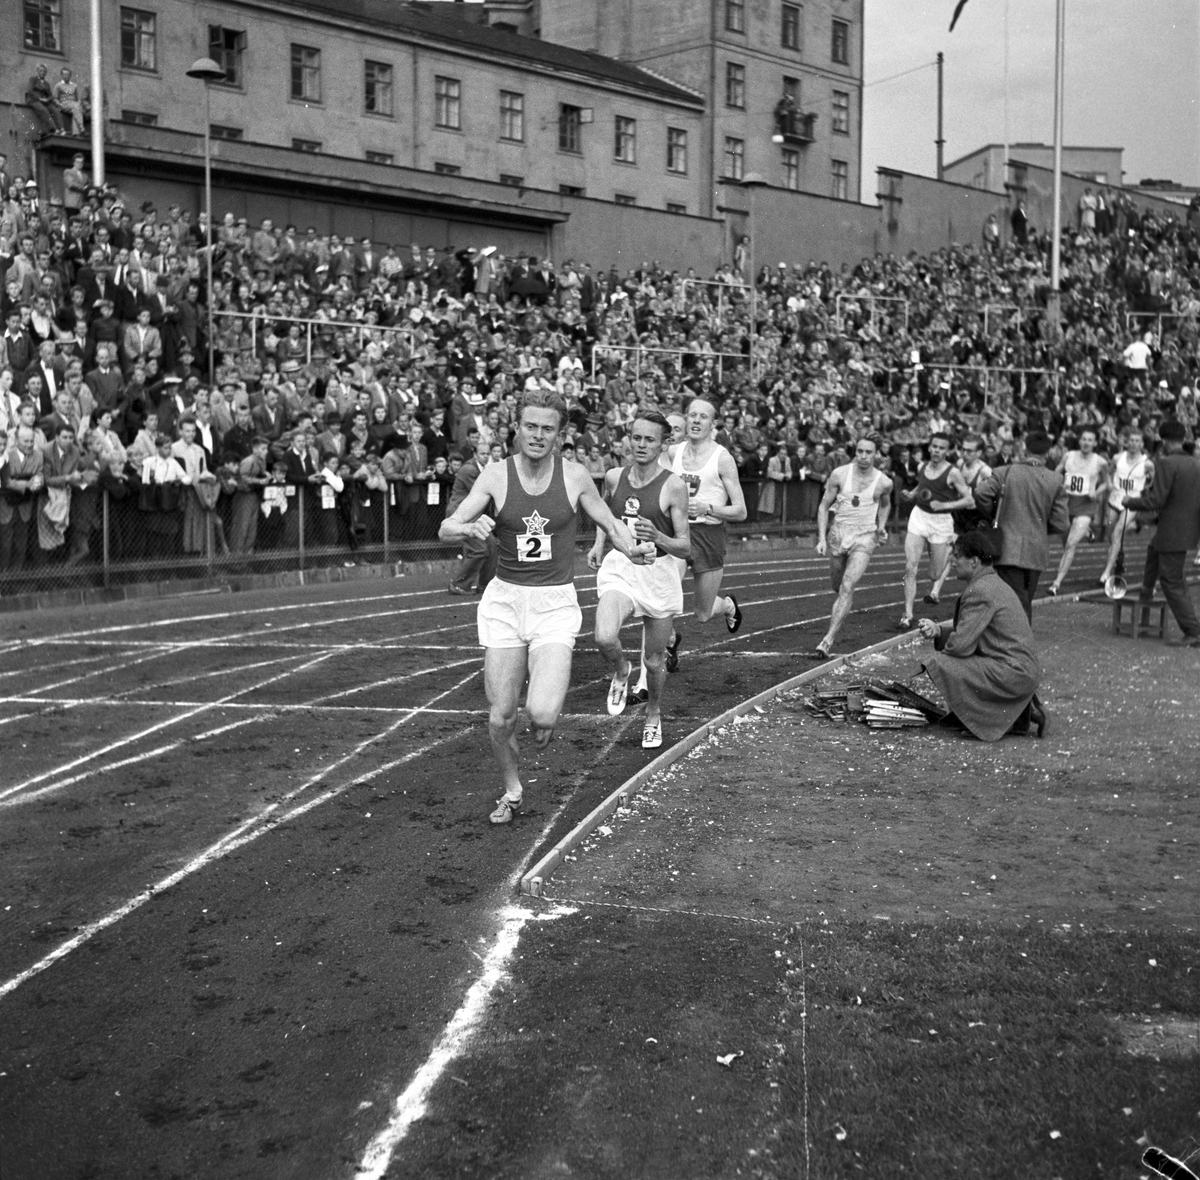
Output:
x,y
1175,496
303,472
366,265
141,341
1028,502
21,480
131,296
479,558
985,665
16,348
46,367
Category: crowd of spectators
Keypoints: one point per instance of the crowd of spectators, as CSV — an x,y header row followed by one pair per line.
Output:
x,y
357,376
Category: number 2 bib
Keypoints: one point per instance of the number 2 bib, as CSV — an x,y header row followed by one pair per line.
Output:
x,y
534,544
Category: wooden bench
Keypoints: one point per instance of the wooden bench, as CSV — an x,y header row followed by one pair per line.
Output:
x,y
1145,617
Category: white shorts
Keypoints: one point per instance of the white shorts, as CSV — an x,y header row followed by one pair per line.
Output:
x,y
528,616
936,527
656,590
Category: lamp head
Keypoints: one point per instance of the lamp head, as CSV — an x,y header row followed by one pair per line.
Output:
x,y
206,70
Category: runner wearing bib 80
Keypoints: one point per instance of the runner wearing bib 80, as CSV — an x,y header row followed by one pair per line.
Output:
x,y
1133,473
529,615
714,498
1085,479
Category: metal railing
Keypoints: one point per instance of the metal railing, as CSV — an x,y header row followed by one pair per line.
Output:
x,y
986,371
639,350
314,326
990,307
1132,317
872,300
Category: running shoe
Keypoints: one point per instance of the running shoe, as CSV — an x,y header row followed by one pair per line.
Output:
x,y
618,692
906,623
673,653
1052,590
820,652
453,589
506,808
639,696
652,735
932,599
733,624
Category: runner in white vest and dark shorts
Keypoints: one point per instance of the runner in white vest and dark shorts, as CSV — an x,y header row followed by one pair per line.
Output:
x,y
1085,479
529,615
714,498
653,504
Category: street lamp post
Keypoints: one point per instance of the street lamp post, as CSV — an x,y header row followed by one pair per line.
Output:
x,y
750,182
208,71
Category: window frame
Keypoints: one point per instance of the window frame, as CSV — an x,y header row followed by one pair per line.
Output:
x,y
447,102
225,131
791,17
842,27
45,14
137,39
138,118
677,207
625,200
735,86
312,147
512,116
735,16
373,157
734,158
570,129
625,140
789,159
308,71
375,87
572,190
840,127
677,142
839,178
445,168
512,180
223,55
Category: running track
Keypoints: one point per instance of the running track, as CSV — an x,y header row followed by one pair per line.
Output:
x,y
247,877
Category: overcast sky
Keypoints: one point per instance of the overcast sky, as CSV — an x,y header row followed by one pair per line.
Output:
x,y
1132,81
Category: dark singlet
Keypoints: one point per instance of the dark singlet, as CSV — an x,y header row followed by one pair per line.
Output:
x,y
628,503
929,490
535,535
966,519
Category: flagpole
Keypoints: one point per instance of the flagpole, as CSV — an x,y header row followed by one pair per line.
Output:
x,y
1006,133
1056,243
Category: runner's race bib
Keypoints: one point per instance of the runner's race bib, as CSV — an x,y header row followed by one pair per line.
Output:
x,y
1076,485
533,546
632,510
433,492
328,497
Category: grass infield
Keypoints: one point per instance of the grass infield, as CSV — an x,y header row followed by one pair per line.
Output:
x,y
955,1049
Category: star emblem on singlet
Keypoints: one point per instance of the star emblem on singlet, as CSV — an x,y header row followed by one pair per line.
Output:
x,y
536,523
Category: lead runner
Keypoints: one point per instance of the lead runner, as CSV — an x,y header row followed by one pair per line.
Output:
x,y
529,615
653,503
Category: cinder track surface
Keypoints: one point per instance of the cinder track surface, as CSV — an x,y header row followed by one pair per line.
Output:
x,y
246,876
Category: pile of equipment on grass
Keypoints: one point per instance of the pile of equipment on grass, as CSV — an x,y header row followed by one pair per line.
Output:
x,y
881,704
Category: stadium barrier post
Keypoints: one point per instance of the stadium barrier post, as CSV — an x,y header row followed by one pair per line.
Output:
x,y
387,518
308,339
300,531
105,521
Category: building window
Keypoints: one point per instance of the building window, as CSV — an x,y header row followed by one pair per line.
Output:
x,y
571,190
841,112
512,116
839,177
225,47
672,207
676,150
306,73
43,25
625,140
735,15
380,157
735,157
840,51
507,178
141,118
625,199
138,40
791,169
305,145
377,88
447,95
447,169
789,27
221,131
735,85
569,121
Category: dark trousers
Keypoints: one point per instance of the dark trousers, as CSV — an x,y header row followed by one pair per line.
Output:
x,y
1167,568
1024,582
478,564
14,544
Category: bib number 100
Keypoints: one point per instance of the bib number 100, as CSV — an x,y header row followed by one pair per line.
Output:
x,y
533,547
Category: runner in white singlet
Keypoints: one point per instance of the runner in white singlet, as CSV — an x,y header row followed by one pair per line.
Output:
x,y
1133,473
1085,479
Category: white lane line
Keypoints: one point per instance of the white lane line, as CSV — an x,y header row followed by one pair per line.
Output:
x,y
413,1102
125,741
30,796
59,665
162,650
347,692
245,833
